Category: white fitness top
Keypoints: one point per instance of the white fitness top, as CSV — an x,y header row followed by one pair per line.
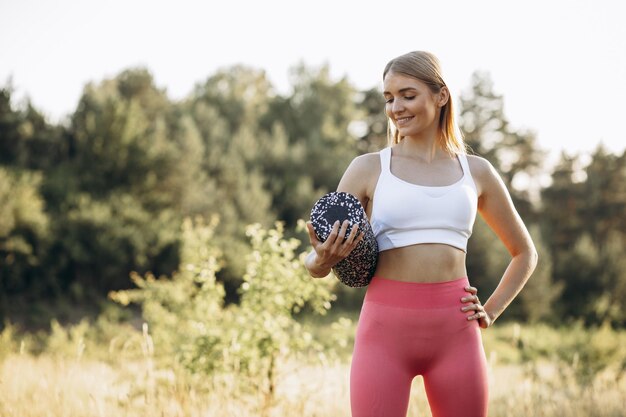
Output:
x,y
406,214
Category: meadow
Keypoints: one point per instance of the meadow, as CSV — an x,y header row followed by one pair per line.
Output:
x,y
103,369
282,350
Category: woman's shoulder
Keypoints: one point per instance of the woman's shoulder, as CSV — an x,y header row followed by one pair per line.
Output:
x,y
479,166
366,161
361,176
485,176
365,166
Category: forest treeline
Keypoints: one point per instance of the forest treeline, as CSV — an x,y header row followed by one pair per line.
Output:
x,y
85,202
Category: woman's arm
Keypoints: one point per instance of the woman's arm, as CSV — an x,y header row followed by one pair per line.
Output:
x,y
496,208
357,180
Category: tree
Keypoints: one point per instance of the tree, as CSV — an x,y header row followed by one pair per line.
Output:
x,y
133,171
562,207
516,157
226,109
605,195
610,306
28,146
583,213
580,269
375,121
24,236
315,121
487,258
514,153
537,300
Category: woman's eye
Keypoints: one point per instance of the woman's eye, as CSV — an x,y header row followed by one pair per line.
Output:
x,y
390,99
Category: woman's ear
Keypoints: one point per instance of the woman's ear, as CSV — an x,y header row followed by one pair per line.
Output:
x,y
444,96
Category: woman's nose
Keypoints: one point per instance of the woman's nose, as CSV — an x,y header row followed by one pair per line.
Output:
x,y
397,107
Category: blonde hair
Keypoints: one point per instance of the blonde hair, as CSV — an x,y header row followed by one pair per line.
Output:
x,y
425,67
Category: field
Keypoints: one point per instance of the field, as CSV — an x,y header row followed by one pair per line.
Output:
x,y
534,371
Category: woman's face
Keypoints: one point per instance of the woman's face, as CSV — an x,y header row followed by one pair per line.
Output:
x,y
411,105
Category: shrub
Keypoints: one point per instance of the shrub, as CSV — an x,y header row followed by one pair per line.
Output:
x,y
191,324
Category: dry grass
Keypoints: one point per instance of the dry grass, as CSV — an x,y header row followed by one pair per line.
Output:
x,y
49,385
77,377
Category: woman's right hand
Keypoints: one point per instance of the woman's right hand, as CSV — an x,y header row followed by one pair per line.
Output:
x,y
326,254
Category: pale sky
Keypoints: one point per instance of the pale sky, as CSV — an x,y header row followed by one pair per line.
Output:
x,y
561,65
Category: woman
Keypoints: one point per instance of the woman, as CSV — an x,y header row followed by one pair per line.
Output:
x,y
420,316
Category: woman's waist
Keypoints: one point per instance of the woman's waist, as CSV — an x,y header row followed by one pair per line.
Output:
x,y
417,295
422,263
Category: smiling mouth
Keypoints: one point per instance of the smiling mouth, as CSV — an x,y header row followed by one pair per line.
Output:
x,y
403,120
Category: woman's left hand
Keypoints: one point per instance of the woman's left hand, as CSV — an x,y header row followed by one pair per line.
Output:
x,y
479,313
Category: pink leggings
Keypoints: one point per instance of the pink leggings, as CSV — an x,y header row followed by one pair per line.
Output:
x,y
408,329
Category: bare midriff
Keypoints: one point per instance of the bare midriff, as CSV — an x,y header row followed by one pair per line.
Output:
x,y
428,262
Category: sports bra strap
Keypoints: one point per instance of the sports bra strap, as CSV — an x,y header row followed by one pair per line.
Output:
x,y
385,160
464,165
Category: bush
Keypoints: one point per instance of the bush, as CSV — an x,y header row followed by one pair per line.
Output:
x,y
191,324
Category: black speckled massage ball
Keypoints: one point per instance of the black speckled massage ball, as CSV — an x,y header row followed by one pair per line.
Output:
x,y
357,269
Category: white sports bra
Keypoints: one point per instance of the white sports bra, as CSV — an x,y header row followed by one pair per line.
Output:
x,y
406,214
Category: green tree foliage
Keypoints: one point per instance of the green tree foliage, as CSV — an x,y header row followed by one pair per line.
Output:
x,y
583,213
537,300
322,111
131,164
226,109
609,307
104,239
119,198
173,305
86,202
268,156
374,136
190,321
563,206
125,139
605,195
488,133
316,119
23,234
581,269
26,139
515,155
486,258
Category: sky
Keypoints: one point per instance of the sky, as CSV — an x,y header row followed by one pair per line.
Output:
x,y
560,65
